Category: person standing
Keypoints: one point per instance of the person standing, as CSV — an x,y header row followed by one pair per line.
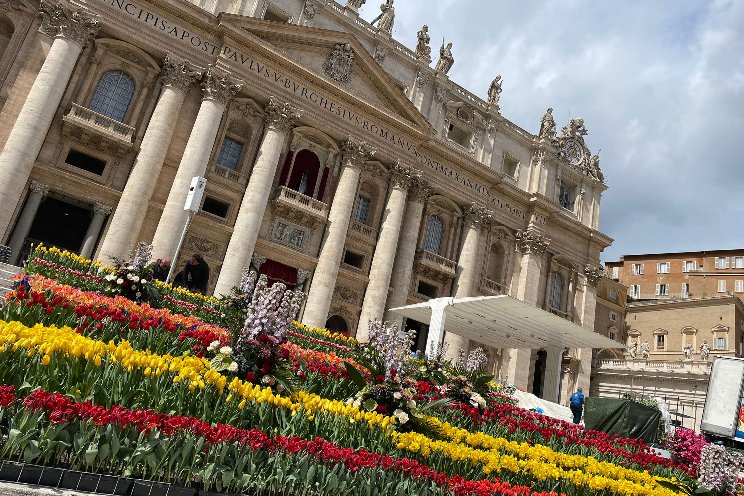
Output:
x,y
577,405
196,274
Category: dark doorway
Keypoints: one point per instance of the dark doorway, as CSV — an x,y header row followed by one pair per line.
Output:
x,y
337,324
422,333
58,223
538,378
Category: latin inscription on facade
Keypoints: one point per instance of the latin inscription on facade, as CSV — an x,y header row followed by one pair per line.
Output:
x,y
158,22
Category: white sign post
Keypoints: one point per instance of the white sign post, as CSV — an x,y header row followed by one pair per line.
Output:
x,y
193,201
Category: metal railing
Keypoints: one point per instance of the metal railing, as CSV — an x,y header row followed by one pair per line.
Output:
x,y
100,121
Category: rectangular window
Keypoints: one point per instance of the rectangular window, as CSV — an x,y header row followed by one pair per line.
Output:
x,y
230,153
459,136
616,273
613,316
722,263
361,214
662,290
685,293
86,162
722,286
611,334
427,289
720,343
739,286
660,341
567,196
511,166
662,268
635,291
612,295
215,207
637,269
739,262
354,259
689,266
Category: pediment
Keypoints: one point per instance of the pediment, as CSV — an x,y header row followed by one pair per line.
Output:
x,y
310,49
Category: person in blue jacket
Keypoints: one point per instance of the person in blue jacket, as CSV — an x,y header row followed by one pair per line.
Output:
x,y
577,405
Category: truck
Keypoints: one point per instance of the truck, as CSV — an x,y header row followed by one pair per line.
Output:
x,y
723,413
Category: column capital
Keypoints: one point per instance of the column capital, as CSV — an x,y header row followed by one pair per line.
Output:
x,y
280,115
592,273
220,86
477,216
403,176
103,209
60,21
356,152
39,188
419,191
179,74
531,241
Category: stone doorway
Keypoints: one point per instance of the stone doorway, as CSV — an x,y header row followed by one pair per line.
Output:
x,y
539,373
422,334
58,223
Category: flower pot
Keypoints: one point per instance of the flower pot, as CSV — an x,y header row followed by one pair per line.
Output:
x,y
88,482
51,476
30,474
10,471
149,488
70,479
181,491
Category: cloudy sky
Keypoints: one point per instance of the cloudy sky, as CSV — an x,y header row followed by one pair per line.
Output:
x,y
660,85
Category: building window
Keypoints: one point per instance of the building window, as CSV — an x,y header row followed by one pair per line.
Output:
x,y
567,196
354,259
434,232
739,262
85,162
637,269
612,295
662,268
685,293
635,291
511,166
662,290
660,341
426,289
230,153
459,136
556,291
739,286
719,343
689,266
722,263
615,274
113,95
722,286
215,207
613,316
611,334
361,214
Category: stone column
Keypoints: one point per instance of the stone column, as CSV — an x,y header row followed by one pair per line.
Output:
x,y
381,269
532,245
218,90
404,258
332,249
120,240
100,212
586,299
476,218
36,193
279,120
71,30
552,383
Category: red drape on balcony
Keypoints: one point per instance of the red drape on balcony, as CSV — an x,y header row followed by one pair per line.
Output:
x,y
305,162
278,272
323,184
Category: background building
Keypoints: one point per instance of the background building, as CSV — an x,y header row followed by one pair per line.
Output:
x,y
338,160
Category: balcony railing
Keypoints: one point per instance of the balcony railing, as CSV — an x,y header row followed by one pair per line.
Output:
x,y
436,266
560,313
300,208
492,287
362,229
100,124
695,367
229,174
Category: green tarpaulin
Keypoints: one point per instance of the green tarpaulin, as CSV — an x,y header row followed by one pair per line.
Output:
x,y
622,417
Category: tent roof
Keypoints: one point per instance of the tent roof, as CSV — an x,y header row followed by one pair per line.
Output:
x,y
505,322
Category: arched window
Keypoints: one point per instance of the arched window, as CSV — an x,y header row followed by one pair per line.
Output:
x,y
113,95
556,291
337,324
361,214
496,263
434,232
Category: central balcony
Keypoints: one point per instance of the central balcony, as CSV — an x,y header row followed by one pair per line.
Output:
x,y
97,130
435,266
300,208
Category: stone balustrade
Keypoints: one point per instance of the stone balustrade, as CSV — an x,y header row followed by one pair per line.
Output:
x,y
435,266
362,229
566,315
84,116
227,173
300,208
491,287
689,366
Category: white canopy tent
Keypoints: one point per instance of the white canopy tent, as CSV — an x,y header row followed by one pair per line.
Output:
x,y
505,322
